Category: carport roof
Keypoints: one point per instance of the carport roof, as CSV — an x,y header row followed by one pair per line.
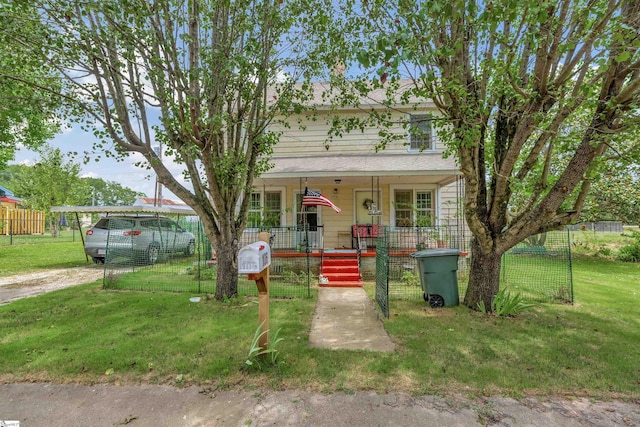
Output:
x,y
124,209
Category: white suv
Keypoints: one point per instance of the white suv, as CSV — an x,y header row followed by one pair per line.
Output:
x,y
141,237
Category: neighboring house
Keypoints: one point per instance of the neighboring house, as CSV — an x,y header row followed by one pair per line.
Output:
x,y
7,199
167,203
407,184
14,220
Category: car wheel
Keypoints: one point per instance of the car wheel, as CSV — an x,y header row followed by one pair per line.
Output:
x,y
190,249
152,254
98,260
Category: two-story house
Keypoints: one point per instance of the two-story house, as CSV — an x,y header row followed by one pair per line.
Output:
x,y
408,183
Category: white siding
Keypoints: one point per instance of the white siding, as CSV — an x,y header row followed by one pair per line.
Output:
x,y
309,137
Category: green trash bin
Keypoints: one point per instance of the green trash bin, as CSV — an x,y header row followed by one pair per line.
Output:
x,y
439,276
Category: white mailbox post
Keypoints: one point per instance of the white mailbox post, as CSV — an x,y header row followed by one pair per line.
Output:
x,y
254,260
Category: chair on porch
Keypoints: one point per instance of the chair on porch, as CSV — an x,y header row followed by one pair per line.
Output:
x,y
369,232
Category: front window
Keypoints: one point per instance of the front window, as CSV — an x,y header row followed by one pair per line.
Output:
x,y
265,209
404,208
420,134
255,211
413,208
424,208
272,208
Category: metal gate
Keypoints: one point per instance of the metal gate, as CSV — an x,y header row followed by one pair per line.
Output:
x,y
382,271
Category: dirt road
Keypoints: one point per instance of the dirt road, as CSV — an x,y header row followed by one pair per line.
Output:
x,y
147,405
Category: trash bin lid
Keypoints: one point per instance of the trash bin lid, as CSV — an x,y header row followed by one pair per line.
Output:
x,y
435,252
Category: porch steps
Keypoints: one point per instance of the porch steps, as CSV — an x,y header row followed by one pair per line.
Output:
x,y
342,272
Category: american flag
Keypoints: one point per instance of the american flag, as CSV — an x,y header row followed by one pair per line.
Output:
x,y
313,198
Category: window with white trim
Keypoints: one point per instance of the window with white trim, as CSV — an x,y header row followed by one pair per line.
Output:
x,y
403,200
413,208
424,207
420,132
255,210
306,215
265,209
272,208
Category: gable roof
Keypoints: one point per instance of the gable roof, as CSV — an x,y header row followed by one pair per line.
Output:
x,y
323,92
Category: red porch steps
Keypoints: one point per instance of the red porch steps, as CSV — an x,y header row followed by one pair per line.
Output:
x,y
342,271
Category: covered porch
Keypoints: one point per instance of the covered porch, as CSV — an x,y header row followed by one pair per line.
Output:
x,y
375,190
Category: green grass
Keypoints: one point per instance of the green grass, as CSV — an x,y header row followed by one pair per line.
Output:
x,y
599,244
65,236
17,259
87,335
184,276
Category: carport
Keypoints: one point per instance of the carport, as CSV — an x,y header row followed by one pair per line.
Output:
x,y
113,210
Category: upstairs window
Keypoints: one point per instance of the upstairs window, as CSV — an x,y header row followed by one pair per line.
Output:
x,y
420,133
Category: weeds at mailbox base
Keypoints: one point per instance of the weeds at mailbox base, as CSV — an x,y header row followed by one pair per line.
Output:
x,y
254,258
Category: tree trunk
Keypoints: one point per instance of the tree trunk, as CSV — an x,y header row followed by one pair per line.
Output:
x,y
484,277
227,275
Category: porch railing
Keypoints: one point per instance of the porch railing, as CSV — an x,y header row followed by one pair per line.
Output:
x,y
289,239
419,238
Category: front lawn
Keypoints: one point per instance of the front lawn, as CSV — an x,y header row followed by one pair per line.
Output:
x,y
23,258
86,334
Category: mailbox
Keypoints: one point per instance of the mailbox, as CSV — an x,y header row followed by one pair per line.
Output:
x,y
254,258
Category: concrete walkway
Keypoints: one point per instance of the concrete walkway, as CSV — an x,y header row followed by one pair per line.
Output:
x,y
346,318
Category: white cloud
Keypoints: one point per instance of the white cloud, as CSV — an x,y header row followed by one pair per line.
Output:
x,y
27,162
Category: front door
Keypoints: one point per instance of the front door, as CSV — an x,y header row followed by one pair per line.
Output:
x,y
310,216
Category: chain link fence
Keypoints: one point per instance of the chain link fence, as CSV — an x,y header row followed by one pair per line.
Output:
x,y
37,231
538,268
174,255
400,272
601,226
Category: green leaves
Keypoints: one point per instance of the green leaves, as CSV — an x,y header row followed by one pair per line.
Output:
x,y
503,304
257,356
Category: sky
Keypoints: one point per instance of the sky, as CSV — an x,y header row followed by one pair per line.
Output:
x,y
125,173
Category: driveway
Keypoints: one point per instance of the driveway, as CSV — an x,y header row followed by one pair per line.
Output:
x,y
37,283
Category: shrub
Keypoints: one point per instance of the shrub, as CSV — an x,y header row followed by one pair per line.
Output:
x,y
410,278
505,304
630,253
